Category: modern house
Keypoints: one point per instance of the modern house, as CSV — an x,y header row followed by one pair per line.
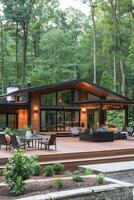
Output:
x,y
57,107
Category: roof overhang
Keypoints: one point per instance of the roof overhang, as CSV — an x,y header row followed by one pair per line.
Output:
x,y
14,105
79,84
106,101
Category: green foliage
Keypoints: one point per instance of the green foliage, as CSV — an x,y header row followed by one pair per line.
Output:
x,y
100,179
19,186
58,168
48,170
106,80
8,131
59,183
27,128
77,178
88,171
17,171
40,40
36,169
115,117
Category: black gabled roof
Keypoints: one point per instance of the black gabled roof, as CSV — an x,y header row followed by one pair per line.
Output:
x,y
64,84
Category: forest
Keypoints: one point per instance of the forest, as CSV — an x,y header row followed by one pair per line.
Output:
x,y
43,44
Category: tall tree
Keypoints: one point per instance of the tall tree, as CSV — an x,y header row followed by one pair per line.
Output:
x,y
2,55
20,12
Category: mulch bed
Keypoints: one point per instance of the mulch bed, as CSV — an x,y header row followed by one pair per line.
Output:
x,y
37,188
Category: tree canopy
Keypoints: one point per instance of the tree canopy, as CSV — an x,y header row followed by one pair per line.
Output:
x,y
43,44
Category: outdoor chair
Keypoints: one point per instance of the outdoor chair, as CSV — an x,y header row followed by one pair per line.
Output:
x,y
16,142
3,141
50,140
74,131
130,131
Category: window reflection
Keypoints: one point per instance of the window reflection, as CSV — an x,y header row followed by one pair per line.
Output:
x,y
59,121
3,121
64,97
68,120
8,120
48,120
48,99
12,121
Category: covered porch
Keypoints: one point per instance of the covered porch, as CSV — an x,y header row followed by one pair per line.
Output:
x,y
94,113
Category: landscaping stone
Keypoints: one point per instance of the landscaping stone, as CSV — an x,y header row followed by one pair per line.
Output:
x,y
117,190
123,171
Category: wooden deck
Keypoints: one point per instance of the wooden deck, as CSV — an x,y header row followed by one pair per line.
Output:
x,y
73,152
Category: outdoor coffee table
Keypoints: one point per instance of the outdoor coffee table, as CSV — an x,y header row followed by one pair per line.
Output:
x,y
34,140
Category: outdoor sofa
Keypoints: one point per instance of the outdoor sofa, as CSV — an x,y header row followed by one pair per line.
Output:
x,y
97,136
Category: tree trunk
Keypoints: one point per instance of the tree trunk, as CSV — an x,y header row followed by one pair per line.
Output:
x,y
16,53
25,32
2,58
114,64
115,22
132,17
94,39
122,78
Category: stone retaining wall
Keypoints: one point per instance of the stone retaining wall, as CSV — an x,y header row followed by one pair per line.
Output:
x,y
116,190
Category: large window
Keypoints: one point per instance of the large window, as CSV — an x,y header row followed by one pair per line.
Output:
x,y
8,120
48,99
68,120
3,121
64,98
60,98
22,98
58,120
48,120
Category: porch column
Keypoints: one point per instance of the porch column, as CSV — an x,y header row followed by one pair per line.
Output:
x,y
29,109
102,116
126,115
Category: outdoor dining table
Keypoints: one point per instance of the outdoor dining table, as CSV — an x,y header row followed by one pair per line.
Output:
x,y
33,139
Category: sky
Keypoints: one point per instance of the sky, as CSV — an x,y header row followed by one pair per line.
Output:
x,y
75,4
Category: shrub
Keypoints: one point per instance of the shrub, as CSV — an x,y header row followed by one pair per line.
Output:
x,y
77,178
88,171
17,171
59,183
58,168
36,169
100,179
19,186
48,170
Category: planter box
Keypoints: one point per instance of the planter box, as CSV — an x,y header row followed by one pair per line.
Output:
x,y
115,190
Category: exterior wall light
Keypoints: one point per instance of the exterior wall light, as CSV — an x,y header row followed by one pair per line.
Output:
x,y
35,110
83,109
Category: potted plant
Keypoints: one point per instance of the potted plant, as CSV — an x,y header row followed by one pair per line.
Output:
x,y
8,132
28,130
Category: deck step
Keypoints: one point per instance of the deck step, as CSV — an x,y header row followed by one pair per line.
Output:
x,y
79,155
73,163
